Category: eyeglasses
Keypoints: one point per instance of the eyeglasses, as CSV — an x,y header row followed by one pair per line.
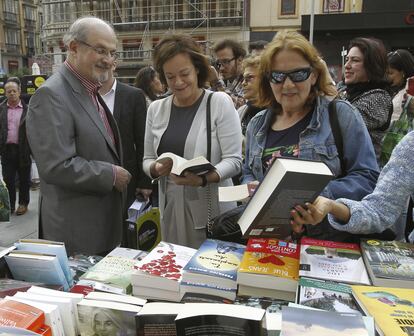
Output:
x,y
296,76
101,51
224,62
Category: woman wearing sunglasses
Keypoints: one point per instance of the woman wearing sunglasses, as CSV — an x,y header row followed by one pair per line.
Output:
x,y
293,83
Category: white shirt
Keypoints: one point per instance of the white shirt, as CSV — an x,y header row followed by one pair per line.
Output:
x,y
109,97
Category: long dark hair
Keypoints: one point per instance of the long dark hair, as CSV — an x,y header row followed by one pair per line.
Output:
x,y
402,60
143,80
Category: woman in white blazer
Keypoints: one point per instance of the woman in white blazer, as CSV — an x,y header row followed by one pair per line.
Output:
x,y
178,124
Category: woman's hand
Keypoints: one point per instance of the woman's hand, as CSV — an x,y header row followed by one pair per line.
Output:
x,y
143,194
313,215
188,178
159,169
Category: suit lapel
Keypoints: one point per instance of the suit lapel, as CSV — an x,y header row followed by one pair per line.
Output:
x,y
118,102
85,101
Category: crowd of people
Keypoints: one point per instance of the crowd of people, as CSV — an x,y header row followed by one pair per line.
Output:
x,y
96,141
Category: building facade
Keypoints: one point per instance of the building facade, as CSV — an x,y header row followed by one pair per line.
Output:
x,y
19,27
140,24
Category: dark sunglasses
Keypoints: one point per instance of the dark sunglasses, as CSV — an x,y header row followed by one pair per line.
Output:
x,y
296,76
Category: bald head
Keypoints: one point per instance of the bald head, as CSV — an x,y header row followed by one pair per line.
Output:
x,y
81,28
91,45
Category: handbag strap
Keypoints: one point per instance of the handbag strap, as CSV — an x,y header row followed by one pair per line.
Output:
x,y
337,134
208,124
409,223
208,192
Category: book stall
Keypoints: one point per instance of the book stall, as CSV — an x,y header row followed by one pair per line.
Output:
x,y
268,287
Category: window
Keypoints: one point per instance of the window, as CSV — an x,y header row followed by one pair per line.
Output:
x,y
12,36
10,6
29,13
287,7
333,6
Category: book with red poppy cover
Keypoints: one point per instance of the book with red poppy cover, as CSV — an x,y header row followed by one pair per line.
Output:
x,y
162,267
270,264
20,315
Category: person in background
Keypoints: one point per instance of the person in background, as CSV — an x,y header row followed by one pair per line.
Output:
x,y
148,80
248,111
377,211
177,124
127,105
293,85
400,67
367,88
257,47
76,144
14,147
229,57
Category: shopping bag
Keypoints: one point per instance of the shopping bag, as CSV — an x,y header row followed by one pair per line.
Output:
x,y
144,227
4,203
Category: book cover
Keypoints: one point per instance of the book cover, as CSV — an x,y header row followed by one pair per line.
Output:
x,y
12,286
48,247
287,183
162,267
215,263
391,308
219,319
157,318
270,263
203,288
114,270
64,306
36,267
106,318
21,315
334,261
199,165
389,263
326,295
297,321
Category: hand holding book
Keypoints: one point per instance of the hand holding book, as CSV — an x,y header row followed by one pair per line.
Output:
x,y
315,213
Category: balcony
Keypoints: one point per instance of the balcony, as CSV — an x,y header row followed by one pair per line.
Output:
x,y
10,18
12,48
134,54
29,24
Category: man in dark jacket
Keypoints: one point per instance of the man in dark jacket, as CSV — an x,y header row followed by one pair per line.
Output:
x,y
14,148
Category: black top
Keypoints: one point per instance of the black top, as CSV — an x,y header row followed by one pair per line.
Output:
x,y
181,118
284,143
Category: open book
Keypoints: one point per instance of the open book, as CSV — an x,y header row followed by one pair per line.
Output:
x,y
287,183
199,165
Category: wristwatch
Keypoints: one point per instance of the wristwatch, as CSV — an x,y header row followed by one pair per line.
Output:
x,y
203,180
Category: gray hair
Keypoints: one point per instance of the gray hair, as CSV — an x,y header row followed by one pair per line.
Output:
x,y
80,28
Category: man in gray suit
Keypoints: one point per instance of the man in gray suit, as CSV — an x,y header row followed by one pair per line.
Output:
x,y
75,142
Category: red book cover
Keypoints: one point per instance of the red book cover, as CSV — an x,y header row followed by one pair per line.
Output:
x,y
82,289
44,330
17,314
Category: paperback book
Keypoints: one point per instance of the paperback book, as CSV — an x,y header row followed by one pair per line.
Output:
x,y
215,263
198,165
389,263
113,272
297,321
163,267
326,295
334,261
21,315
270,264
391,308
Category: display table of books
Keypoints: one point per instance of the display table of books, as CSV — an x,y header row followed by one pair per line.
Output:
x,y
269,287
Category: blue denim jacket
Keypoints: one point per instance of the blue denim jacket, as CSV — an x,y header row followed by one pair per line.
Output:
x,y
317,143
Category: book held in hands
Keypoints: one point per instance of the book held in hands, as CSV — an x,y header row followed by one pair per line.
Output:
x,y
199,165
287,183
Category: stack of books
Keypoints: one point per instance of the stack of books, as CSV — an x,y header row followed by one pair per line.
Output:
x,y
269,268
43,261
113,273
158,275
213,269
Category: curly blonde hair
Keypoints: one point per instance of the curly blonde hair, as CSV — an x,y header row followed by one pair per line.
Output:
x,y
293,41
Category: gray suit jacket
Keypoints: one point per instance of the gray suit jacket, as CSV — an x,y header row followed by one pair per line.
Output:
x,y
75,158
